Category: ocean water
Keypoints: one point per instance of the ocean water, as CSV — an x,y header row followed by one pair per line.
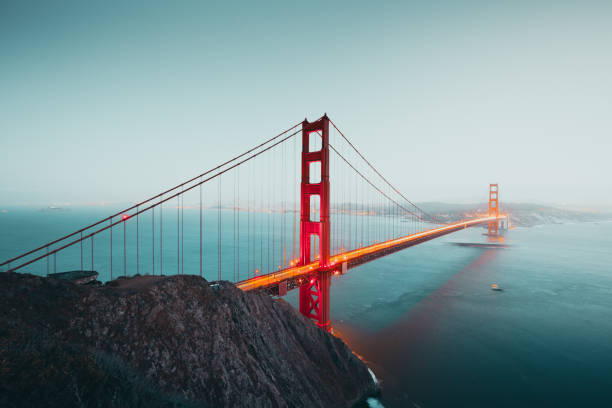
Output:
x,y
250,242
425,319
428,324
266,236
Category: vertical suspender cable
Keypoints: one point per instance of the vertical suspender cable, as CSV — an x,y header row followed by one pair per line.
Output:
x,y
234,226
137,244
219,231
200,228
161,238
361,213
249,219
269,210
124,252
350,218
182,233
92,252
274,202
203,238
273,198
178,234
280,176
285,193
111,248
261,225
153,238
295,195
238,212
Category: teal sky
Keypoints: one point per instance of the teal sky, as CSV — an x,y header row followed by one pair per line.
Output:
x,y
106,101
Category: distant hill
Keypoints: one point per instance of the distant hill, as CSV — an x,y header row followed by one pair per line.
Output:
x,y
521,214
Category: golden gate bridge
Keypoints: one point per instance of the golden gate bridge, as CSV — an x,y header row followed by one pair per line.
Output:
x,y
289,213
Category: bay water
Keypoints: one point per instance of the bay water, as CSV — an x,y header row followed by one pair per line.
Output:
x,y
424,319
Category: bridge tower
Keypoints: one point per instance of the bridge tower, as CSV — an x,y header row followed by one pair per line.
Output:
x,y
493,207
314,294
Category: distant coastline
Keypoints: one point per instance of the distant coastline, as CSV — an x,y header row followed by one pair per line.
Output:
x,y
521,214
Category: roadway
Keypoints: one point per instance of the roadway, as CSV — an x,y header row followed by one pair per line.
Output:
x,y
357,256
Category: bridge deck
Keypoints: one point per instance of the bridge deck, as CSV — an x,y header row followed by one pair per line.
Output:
x,y
357,256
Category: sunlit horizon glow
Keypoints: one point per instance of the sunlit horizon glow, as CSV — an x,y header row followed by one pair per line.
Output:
x,y
444,97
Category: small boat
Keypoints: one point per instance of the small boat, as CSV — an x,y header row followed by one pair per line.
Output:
x,y
495,286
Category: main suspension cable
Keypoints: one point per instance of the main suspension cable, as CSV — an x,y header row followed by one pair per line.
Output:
x,y
383,177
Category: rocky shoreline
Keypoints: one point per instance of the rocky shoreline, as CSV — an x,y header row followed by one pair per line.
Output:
x,y
166,341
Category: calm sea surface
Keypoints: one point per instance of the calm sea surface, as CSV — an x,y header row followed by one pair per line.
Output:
x,y
436,335
424,319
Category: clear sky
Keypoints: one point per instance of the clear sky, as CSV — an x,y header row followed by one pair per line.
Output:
x,y
107,101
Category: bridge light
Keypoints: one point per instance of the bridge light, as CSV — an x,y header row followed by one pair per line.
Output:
x,y
124,217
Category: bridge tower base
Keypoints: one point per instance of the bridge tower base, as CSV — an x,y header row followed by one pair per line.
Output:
x,y
314,294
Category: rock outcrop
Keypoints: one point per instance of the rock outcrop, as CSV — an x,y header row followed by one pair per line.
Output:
x,y
167,341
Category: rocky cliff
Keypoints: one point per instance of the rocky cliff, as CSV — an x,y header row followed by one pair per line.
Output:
x,y
166,341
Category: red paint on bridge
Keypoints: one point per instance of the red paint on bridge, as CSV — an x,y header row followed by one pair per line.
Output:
x,y
314,278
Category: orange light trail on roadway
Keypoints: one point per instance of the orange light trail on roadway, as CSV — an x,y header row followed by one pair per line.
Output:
x,y
297,271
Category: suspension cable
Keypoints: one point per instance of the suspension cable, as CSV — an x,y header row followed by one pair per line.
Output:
x,y
159,203
382,177
156,196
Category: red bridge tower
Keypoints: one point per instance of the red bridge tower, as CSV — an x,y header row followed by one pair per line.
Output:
x,y
493,207
314,294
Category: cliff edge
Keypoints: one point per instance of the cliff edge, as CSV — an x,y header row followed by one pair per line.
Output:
x,y
166,341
